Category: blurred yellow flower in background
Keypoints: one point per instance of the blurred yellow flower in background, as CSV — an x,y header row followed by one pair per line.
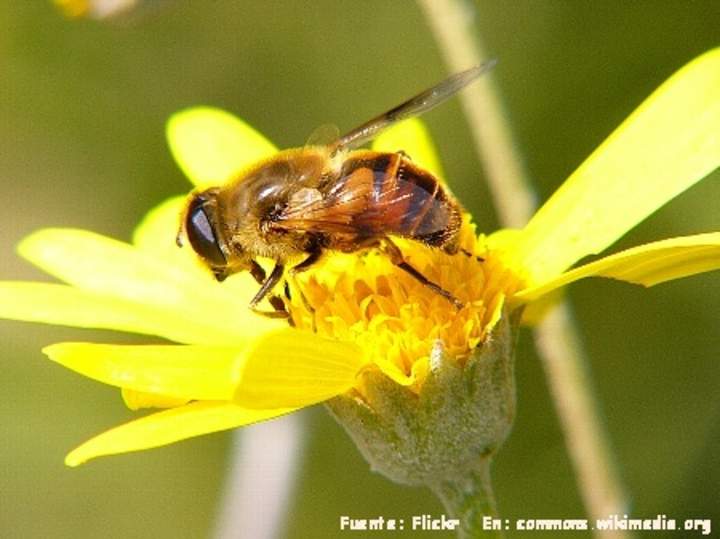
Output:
x,y
232,367
95,9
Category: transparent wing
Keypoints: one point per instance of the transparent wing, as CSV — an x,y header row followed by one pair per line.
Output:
x,y
414,106
324,135
367,203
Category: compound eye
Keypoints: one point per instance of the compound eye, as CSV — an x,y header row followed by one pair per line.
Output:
x,y
202,236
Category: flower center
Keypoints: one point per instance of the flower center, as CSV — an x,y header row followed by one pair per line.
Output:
x,y
394,317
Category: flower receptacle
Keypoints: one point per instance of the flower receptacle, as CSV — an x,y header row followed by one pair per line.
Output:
x,y
462,413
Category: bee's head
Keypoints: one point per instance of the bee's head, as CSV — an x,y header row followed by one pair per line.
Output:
x,y
201,226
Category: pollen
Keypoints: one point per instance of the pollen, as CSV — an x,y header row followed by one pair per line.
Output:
x,y
396,319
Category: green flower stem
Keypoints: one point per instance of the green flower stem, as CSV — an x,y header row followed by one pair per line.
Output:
x,y
452,23
471,500
566,369
445,436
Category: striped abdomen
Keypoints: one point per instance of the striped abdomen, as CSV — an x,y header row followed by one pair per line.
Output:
x,y
387,194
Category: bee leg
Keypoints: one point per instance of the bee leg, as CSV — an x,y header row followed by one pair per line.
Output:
x,y
257,272
301,267
278,304
288,297
396,257
471,255
286,289
265,289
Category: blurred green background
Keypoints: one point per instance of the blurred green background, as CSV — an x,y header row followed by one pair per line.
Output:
x,y
82,112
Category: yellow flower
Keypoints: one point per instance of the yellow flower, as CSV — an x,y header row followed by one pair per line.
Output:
x,y
95,9
232,367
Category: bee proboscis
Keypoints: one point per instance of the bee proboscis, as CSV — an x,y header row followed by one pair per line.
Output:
x,y
303,202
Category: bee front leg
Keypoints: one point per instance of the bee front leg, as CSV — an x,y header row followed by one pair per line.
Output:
x,y
265,289
257,272
396,257
278,304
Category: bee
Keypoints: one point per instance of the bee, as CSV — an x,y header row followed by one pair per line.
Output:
x,y
301,203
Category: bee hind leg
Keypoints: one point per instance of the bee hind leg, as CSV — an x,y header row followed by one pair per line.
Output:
x,y
471,255
396,257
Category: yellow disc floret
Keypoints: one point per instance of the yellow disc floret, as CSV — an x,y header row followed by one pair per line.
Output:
x,y
396,319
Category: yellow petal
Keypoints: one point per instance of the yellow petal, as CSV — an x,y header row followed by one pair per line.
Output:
x,y
647,265
670,142
137,400
395,373
536,311
157,231
65,305
211,146
94,262
291,368
156,235
190,372
412,137
169,426
112,268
